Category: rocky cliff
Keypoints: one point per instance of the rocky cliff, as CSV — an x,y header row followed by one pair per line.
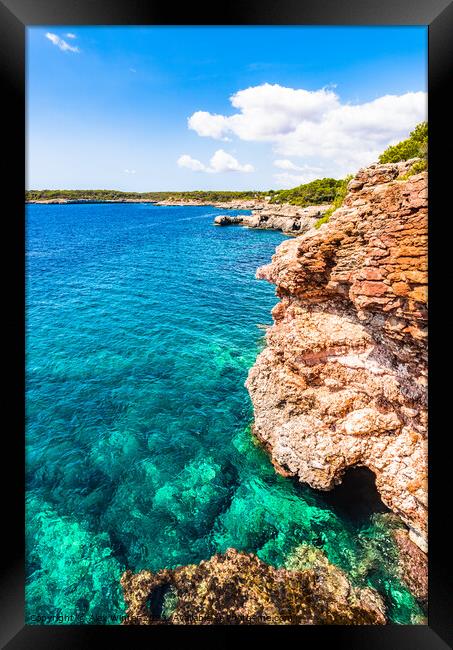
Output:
x,y
343,379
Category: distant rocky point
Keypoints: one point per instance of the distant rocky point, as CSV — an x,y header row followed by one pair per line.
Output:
x,y
290,219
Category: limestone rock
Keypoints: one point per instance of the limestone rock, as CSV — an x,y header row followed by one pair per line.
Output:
x,y
413,564
227,220
290,219
342,381
238,588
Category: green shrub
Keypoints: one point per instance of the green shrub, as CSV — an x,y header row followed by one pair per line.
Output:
x,y
417,167
322,190
340,195
415,146
111,195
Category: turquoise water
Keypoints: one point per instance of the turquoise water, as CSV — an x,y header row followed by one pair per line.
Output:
x,y
141,327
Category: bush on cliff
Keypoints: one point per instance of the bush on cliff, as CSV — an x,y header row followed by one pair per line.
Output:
x,y
341,192
415,146
322,190
417,167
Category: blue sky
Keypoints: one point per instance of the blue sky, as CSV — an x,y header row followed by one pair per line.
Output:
x,y
150,108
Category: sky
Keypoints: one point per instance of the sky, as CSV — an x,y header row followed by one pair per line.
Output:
x,y
232,108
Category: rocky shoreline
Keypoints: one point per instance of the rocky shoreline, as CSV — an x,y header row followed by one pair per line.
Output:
x,y
234,204
341,383
290,219
238,588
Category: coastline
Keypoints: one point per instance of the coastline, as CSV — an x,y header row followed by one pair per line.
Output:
x,y
314,295
285,217
334,389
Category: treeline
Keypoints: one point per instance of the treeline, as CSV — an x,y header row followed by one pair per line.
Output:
x,y
322,190
76,195
415,146
116,195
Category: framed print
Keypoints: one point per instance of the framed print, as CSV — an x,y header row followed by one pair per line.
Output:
x,y
219,324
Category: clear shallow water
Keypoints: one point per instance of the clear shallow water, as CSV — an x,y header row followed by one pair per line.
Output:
x,y
141,327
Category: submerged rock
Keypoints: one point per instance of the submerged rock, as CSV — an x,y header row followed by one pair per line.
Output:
x,y
342,381
413,566
238,588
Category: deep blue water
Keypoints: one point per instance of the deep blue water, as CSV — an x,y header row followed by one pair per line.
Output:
x,y
142,323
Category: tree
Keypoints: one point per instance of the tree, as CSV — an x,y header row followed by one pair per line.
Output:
x,y
415,146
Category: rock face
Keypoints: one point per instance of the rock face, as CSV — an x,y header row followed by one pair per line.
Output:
x,y
289,219
238,588
342,381
413,566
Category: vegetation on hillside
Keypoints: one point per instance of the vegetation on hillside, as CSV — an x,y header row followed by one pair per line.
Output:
x,y
415,146
416,168
322,190
340,194
116,195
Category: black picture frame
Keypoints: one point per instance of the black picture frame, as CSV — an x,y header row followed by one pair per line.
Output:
x,y
15,16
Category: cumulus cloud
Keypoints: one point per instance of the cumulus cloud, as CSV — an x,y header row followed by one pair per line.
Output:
x,y
315,125
287,179
61,43
220,162
209,125
285,164
190,163
70,35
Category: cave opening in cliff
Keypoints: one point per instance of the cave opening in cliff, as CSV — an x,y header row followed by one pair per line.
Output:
x,y
356,497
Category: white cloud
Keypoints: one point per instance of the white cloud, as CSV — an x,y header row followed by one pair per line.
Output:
x,y
190,163
288,179
220,162
286,164
265,112
314,125
61,43
130,171
70,35
208,125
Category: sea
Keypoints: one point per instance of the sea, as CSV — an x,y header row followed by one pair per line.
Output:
x,y
142,322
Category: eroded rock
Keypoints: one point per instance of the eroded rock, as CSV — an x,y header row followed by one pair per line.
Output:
x,y
413,566
342,381
290,219
238,588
